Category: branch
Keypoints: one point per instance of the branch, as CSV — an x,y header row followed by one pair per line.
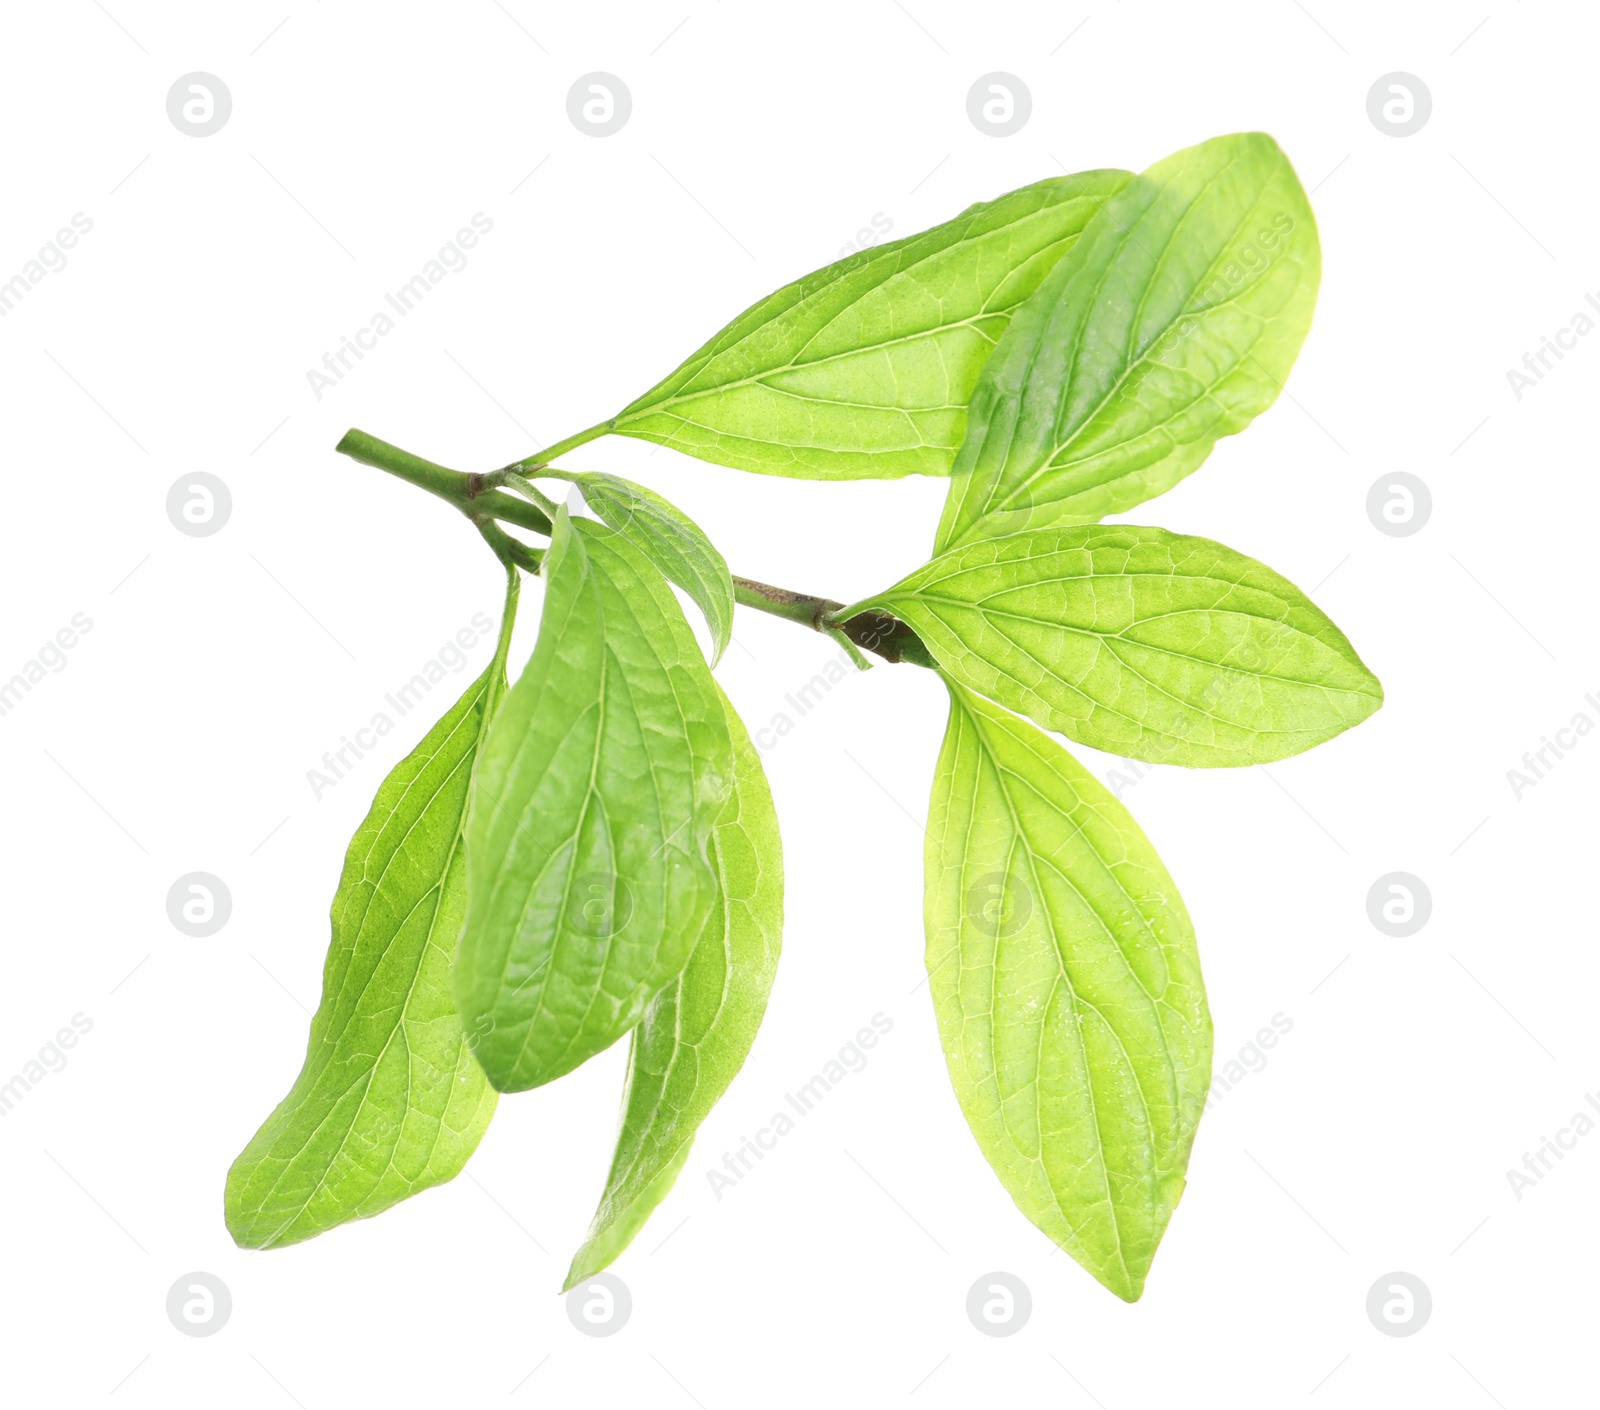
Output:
x,y
482,500
471,494
878,632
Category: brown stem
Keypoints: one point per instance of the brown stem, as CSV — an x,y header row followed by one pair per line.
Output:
x,y
878,632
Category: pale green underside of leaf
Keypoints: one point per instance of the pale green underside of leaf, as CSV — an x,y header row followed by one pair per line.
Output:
x,y
864,369
1140,642
671,540
695,1037
591,813
1067,987
1172,322
389,1101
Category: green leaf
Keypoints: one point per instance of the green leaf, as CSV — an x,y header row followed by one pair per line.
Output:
x,y
864,369
1067,986
695,1037
1144,643
670,539
593,801
1171,323
389,1101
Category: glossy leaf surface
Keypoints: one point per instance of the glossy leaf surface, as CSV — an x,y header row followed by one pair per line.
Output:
x,y
1067,988
1140,642
591,815
390,1100
696,1035
864,369
671,540
1172,322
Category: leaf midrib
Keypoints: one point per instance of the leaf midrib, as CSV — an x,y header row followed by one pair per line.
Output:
x,y
437,893
1062,978
1122,635
898,272
619,422
991,506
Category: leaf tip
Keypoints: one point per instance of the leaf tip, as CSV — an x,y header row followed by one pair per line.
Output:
x,y
584,1265
1130,1291
1370,693
247,1226
1125,1277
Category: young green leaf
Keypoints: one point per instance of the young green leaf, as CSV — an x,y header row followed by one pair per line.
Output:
x,y
389,1101
670,539
593,801
695,1037
1144,643
1171,323
864,369
1067,988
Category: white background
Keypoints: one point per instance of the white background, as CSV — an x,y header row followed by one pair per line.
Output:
x,y
762,139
